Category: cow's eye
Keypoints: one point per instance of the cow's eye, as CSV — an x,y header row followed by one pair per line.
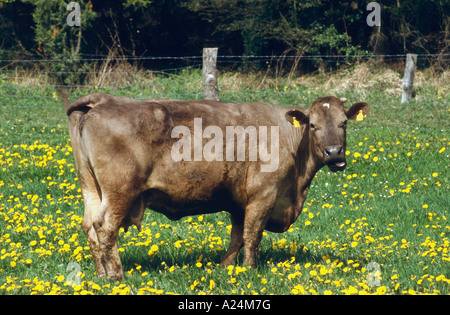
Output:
x,y
312,126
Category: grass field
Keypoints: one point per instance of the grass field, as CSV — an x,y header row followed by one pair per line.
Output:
x,y
380,227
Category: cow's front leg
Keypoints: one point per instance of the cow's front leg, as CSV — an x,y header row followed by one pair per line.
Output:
x,y
256,216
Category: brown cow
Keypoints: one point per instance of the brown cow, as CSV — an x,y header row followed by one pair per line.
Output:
x,y
132,154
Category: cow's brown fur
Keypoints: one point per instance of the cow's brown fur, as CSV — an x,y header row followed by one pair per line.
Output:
x,y
122,151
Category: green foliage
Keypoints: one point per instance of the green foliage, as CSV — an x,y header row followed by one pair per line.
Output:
x,y
330,27
137,3
57,40
252,27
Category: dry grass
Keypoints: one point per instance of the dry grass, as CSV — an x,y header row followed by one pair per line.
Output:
x,y
362,76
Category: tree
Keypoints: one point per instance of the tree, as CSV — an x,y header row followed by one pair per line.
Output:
x,y
313,27
56,39
238,27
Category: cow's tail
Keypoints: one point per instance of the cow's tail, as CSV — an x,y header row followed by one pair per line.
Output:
x,y
84,103
65,97
76,112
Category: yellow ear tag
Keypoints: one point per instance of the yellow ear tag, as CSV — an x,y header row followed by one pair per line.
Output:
x,y
296,122
360,116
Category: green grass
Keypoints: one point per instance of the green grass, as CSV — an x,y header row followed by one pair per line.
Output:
x,y
387,212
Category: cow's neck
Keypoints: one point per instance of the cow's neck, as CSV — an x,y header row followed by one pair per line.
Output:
x,y
307,165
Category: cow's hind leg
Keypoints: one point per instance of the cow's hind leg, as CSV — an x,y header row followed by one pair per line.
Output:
x,y
92,206
107,229
237,241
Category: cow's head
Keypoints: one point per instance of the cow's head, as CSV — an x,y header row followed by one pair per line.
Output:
x,y
325,122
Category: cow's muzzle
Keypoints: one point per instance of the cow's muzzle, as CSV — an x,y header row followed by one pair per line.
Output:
x,y
335,158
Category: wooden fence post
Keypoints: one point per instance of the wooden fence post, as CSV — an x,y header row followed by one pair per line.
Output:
x,y
210,89
408,79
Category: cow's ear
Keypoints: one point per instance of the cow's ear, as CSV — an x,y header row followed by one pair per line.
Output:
x,y
358,111
297,117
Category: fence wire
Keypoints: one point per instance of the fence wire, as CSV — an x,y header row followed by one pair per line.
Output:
x,y
29,104
21,69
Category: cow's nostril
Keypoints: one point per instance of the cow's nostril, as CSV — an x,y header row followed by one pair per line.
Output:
x,y
333,152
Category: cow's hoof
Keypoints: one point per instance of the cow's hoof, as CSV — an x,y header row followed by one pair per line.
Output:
x,y
116,277
227,262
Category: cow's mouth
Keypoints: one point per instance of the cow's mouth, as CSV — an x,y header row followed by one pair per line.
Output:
x,y
334,157
336,166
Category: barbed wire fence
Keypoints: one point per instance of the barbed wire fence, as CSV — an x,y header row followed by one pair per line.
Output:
x,y
14,68
27,94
